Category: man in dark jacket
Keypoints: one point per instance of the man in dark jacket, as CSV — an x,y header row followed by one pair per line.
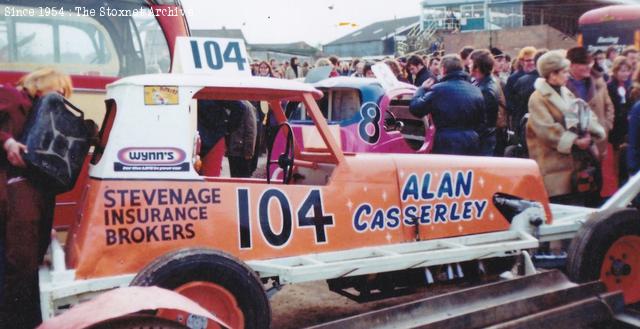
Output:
x,y
457,108
418,71
481,67
526,64
522,90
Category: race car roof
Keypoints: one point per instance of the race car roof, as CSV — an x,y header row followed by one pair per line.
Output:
x,y
225,87
353,82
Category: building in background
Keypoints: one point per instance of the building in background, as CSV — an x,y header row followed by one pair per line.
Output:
x,y
479,15
284,51
377,39
280,52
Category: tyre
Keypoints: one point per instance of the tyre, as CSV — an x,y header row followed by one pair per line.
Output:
x,y
607,248
217,281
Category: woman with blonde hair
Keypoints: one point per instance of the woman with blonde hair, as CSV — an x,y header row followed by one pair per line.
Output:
x,y
619,89
26,203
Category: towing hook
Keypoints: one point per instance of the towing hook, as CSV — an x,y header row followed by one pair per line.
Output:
x,y
536,221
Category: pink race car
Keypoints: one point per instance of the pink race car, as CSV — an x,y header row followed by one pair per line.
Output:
x,y
364,117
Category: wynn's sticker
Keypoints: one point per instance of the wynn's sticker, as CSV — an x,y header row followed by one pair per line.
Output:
x,y
160,95
151,159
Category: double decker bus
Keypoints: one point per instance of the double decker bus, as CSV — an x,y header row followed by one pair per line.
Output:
x,y
617,26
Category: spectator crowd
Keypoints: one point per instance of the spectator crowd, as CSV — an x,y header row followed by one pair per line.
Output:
x,y
575,112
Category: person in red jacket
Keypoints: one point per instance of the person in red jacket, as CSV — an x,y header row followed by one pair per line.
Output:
x,y
26,206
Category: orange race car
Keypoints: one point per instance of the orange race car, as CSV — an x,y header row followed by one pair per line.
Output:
x,y
147,217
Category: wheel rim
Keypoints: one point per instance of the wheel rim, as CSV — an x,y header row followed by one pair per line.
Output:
x,y
621,268
214,298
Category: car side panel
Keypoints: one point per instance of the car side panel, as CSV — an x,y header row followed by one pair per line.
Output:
x,y
124,225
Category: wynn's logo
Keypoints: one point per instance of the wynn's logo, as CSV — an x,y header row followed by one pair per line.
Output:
x,y
151,156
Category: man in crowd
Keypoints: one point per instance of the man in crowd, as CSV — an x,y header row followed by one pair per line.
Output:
x,y
522,90
589,85
457,108
434,66
335,62
526,64
481,67
464,55
418,71
631,53
500,62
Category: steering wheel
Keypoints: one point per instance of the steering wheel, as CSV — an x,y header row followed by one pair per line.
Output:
x,y
391,122
286,159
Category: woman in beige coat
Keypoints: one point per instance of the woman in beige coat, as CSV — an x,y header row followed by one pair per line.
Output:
x,y
550,143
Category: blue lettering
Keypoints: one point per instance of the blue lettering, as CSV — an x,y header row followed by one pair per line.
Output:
x,y
452,215
135,155
481,206
393,216
425,214
466,210
195,51
441,211
446,186
410,212
463,186
360,227
378,220
426,183
410,188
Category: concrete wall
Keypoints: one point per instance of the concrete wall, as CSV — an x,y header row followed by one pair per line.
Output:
x,y
511,40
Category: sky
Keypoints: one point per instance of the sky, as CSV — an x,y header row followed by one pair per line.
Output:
x,y
282,21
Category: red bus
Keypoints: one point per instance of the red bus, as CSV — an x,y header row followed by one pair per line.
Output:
x,y
617,26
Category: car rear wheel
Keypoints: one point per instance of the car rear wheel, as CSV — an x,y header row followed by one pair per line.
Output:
x,y
607,248
218,282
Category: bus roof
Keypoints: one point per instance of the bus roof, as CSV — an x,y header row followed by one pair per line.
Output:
x,y
610,13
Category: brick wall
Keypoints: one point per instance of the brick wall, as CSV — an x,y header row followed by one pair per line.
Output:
x,y
510,40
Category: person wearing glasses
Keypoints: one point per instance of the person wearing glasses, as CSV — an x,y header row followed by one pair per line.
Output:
x,y
526,64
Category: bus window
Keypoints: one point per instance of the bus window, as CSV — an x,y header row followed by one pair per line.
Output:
x,y
85,45
74,44
35,42
151,43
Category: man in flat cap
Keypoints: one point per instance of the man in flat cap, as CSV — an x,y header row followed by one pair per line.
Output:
x,y
589,85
